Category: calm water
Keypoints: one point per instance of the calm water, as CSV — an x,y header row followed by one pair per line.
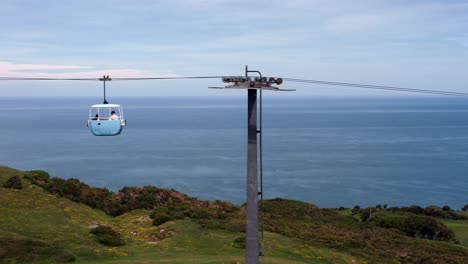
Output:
x,y
328,151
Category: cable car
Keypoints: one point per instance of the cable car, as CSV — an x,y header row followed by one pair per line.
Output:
x,y
106,119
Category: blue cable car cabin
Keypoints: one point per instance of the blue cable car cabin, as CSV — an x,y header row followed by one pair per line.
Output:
x,y
106,119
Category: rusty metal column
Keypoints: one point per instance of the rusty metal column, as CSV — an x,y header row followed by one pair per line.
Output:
x,y
251,254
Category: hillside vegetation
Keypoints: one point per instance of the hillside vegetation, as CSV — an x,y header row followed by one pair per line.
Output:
x,y
47,220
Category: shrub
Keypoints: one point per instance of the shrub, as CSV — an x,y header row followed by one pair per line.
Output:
x,y
14,183
77,191
38,173
208,214
173,211
160,218
38,177
108,236
413,209
239,242
356,209
437,212
414,225
70,188
100,198
367,213
174,204
235,225
433,211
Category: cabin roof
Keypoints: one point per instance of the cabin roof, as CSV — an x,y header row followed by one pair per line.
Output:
x,y
105,105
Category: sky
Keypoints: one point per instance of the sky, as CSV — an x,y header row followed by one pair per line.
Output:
x,y
417,44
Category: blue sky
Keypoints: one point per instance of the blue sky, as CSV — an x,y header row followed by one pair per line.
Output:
x,y
418,44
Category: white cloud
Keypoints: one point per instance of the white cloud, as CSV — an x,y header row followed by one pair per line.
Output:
x,y
8,69
6,66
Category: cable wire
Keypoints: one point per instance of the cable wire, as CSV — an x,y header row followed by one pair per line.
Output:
x,y
168,78
378,87
113,79
357,85
46,79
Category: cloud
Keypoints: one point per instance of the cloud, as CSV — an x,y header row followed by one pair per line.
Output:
x,y
393,42
6,66
8,69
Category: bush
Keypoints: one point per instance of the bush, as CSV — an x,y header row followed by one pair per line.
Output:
x,y
70,188
413,209
433,211
356,209
367,213
175,205
169,212
414,225
38,177
208,214
446,208
14,183
39,173
107,236
437,212
160,218
75,190
235,225
239,242
100,198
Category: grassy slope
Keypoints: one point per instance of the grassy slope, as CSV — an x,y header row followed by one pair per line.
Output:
x,y
460,227
32,213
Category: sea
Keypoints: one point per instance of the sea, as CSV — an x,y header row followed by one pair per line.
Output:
x,y
329,151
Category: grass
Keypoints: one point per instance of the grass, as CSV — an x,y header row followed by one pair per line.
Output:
x,y
193,244
300,233
35,216
460,227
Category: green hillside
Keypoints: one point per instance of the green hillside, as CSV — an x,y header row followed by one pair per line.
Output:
x,y
37,226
